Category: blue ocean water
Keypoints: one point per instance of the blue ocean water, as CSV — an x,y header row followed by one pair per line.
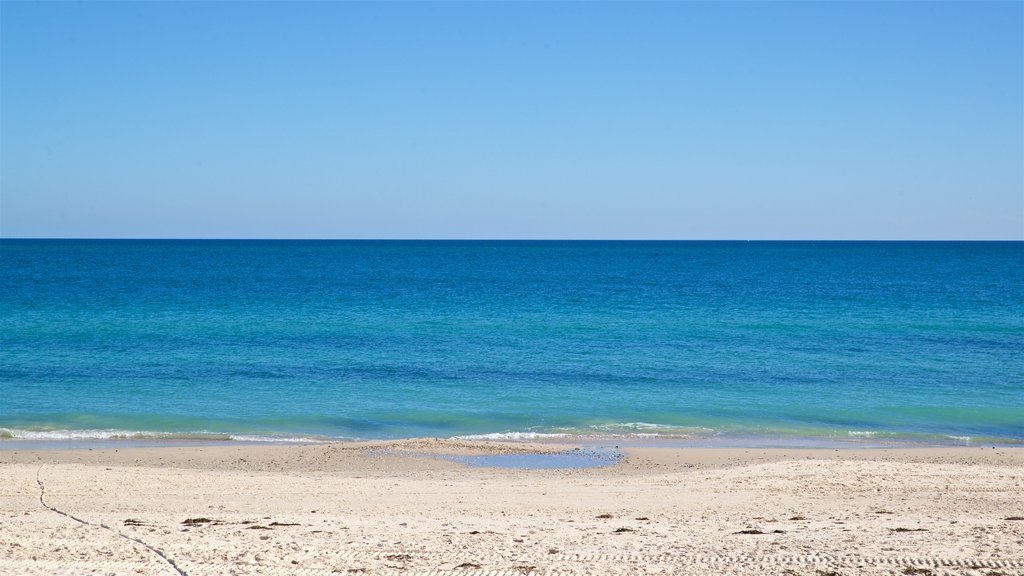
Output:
x,y
900,341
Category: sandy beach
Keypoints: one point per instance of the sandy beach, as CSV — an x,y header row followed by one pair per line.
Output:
x,y
393,508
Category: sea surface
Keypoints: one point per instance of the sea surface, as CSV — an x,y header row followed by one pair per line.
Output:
x,y
743,343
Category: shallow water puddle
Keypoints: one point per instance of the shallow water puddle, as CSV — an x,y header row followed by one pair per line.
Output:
x,y
589,458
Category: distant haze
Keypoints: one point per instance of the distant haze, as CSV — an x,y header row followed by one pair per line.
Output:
x,y
873,120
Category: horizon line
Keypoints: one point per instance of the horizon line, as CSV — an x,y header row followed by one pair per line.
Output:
x,y
300,239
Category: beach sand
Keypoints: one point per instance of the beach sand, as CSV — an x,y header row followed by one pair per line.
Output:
x,y
391,508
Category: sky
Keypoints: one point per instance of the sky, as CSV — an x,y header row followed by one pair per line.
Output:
x,y
652,120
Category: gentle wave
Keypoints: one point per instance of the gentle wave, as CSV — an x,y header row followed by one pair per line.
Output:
x,y
625,430
608,430
648,429
700,435
285,439
66,435
513,436
631,426
940,438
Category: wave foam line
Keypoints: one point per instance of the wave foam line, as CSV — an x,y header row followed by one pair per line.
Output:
x,y
511,436
71,435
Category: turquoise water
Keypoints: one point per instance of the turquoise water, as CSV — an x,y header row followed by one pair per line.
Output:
x,y
286,340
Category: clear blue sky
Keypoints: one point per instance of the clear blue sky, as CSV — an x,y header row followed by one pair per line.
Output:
x,y
512,120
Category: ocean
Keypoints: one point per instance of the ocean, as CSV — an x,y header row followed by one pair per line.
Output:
x,y
742,343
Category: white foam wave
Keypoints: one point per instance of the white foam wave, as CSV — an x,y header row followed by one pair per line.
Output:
x,y
613,430
511,436
13,433
285,439
633,426
862,433
113,434
650,430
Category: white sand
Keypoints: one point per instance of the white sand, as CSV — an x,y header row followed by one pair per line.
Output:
x,y
376,509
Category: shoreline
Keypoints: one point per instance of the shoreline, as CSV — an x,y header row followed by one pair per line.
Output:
x,y
749,441
218,455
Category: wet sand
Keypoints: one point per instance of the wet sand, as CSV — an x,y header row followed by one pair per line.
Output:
x,y
392,508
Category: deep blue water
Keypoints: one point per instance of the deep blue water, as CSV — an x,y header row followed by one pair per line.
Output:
x,y
374,339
